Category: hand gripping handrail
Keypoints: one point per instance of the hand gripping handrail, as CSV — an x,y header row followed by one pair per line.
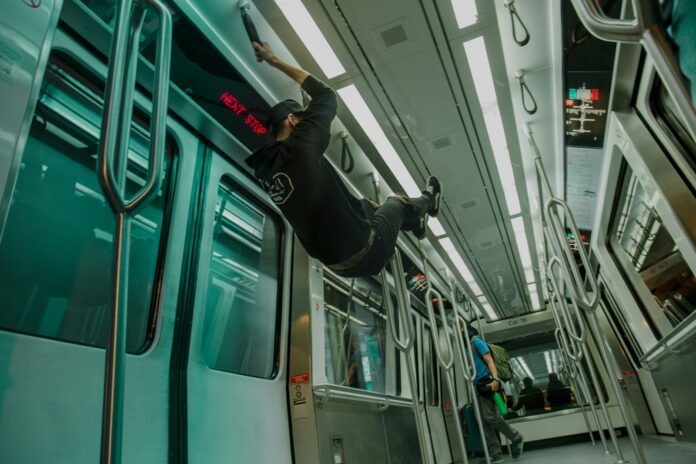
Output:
x,y
113,155
644,29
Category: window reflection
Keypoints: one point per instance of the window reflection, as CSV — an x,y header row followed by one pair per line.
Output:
x,y
242,304
648,250
355,335
56,253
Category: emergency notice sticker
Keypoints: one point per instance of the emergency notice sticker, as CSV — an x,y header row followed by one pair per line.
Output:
x,y
298,392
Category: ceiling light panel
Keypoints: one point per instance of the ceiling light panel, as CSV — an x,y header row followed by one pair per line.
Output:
x,y
523,247
436,227
460,265
465,12
308,31
361,112
477,57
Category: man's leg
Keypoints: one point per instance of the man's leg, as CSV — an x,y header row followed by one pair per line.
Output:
x,y
489,412
496,422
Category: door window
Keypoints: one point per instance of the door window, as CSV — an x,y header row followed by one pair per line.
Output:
x,y
242,313
56,248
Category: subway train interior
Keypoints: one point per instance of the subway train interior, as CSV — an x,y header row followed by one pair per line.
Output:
x,y
156,305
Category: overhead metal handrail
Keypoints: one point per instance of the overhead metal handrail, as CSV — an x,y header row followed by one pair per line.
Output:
x,y
446,362
112,166
644,29
405,339
469,373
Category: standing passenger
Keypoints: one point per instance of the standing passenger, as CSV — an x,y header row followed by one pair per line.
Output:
x,y
487,382
351,237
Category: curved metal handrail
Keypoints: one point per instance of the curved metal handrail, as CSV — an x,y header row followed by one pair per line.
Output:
x,y
448,361
113,142
606,28
403,341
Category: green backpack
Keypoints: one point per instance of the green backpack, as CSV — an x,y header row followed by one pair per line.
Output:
x,y
501,358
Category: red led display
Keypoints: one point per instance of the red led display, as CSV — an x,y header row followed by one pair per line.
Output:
x,y
594,94
234,105
569,102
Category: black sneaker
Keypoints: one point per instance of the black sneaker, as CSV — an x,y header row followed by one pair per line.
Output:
x,y
516,447
434,189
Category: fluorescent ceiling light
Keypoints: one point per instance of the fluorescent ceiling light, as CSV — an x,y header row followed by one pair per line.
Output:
x,y
461,266
523,247
308,31
534,296
357,105
485,90
465,11
489,311
436,227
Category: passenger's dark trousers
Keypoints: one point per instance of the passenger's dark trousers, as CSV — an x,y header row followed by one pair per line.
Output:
x,y
387,221
493,422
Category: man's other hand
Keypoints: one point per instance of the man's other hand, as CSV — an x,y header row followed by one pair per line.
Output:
x,y
494,386
263,52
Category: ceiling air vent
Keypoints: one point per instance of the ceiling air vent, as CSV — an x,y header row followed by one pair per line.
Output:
x,y
394,35
469,204
441,142
486,244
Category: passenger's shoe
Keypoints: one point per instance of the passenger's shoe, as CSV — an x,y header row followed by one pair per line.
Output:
x,y
516,447
494,460
434,189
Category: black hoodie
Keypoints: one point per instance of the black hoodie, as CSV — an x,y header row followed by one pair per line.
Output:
x,y
327,218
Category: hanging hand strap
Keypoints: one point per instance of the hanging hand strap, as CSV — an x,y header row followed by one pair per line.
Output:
x,y
347,160
510,5
526,94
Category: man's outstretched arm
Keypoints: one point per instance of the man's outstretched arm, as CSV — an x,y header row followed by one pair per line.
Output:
x,y
264,53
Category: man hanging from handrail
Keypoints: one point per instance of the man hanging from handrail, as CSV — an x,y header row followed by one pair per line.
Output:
x,y
352,237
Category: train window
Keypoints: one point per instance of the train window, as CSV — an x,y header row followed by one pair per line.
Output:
x,y
671,121
56,249
242,313
431,369
355,335
646,250
541,382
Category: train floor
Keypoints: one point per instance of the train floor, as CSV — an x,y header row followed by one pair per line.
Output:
x,y
657,450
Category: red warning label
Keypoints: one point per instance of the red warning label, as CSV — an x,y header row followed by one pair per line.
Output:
x,y
302,378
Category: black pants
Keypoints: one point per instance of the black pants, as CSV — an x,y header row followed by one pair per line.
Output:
x,y
395,215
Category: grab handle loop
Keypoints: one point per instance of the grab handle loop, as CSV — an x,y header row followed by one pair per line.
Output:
x,y
514,16
524,91
347,160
